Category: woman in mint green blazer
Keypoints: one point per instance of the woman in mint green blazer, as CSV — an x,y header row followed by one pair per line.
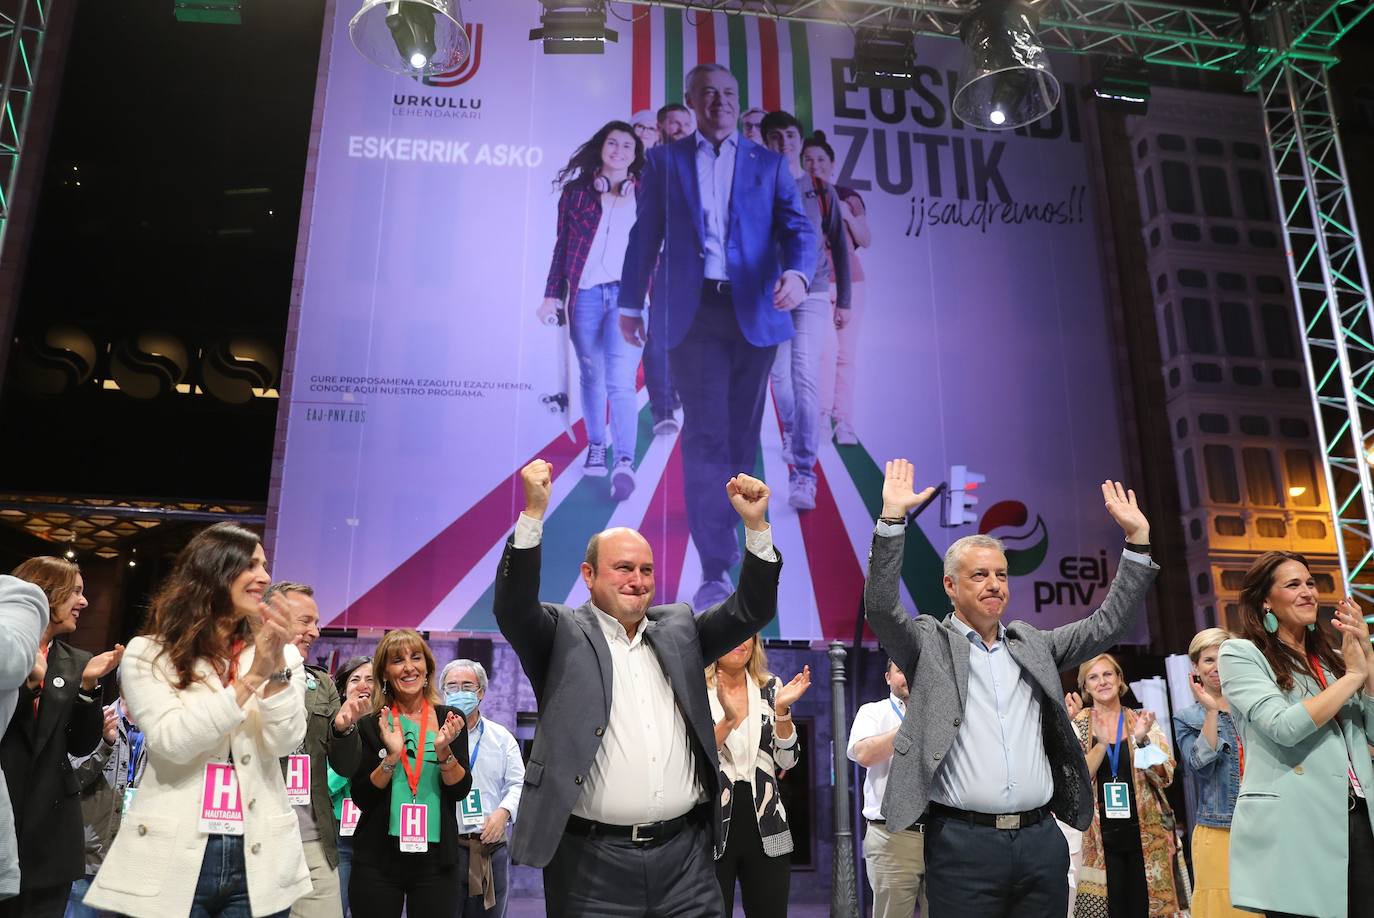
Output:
x,y
1302,842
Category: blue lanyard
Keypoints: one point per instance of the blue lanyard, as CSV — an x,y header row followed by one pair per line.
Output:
x,y
1114,749
896,710
481,731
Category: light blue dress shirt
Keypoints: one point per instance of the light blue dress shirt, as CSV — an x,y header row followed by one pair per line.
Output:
x,y
997,763
715,176
498,771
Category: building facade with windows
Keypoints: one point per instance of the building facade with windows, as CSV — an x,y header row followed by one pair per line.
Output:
x,y
1238,403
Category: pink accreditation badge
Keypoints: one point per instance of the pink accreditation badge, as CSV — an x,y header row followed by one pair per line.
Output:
x,y
221,807
348,817
414,827
298,780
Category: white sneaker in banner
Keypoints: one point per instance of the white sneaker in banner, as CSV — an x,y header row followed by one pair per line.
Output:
x,y
786,447
803,496
622,479
844,435
665,427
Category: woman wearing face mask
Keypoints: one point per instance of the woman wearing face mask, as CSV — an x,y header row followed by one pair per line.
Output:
x,y
58,713
1303,696
756,741
1209,744
354,682
498,774
595,213
413,773
218,690
1130,853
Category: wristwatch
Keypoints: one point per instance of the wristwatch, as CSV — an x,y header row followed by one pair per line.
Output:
x,y
281,678
386,767
448,761
1143,741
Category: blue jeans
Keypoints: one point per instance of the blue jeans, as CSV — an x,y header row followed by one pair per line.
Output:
x,y
222,889
606,364
796,379
345,867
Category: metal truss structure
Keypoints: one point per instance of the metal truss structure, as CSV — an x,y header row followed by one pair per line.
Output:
x,y
1284,50
1330,288
23,25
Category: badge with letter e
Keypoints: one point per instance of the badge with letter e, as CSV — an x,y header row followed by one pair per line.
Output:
x,y
1116,800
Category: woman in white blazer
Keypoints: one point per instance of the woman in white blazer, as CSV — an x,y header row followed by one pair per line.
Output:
x,y
756,741
220,695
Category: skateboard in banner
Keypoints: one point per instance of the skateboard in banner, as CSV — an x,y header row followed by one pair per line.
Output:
x,y
560,402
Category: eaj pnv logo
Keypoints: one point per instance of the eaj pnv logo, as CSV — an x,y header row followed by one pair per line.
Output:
x,y
468,68
1025,550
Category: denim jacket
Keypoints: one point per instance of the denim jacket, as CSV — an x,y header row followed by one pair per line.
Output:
x,y
1214,773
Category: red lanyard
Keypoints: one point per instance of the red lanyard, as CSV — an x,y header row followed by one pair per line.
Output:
x,y
1317,669
232,670
413,777
42,652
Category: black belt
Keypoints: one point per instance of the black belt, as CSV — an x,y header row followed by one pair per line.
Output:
x,y
918,827
998,821
710,287
644,833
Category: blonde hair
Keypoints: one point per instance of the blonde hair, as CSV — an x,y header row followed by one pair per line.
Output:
x,y
757,667
401,641
1120,676
1209,637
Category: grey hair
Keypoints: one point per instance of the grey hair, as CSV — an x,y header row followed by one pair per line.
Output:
x,y
956,551
473,665
282,587
703,69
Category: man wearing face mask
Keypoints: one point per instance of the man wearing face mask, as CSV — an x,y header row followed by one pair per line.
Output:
x,y
330,736
498,776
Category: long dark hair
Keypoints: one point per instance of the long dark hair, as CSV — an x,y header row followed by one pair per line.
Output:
x,y
1259,580
586,162
193,614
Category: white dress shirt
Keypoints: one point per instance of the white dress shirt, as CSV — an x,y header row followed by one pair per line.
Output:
x,y
644,770
870,720
498,770
715,176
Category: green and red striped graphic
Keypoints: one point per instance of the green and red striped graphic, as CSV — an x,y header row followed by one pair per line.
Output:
x,y
770,59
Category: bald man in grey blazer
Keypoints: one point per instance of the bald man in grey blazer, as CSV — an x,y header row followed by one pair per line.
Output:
x,y
23,616
990,750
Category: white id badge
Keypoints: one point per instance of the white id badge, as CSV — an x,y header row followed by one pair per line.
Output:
x,y
298,780
1116,800
414,828
221,807
470,815
128,800
348,817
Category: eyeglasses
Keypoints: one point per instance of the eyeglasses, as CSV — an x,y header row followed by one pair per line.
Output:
x,y
461,687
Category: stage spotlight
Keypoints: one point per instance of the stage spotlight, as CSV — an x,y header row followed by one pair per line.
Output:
x,y
1124,83
573,27
414,38
1005,81
884,60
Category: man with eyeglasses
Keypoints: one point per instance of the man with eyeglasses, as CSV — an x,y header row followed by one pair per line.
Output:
x,y
498,775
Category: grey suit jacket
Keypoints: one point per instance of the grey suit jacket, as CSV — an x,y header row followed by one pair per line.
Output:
x,y
934,654
565,655
23,616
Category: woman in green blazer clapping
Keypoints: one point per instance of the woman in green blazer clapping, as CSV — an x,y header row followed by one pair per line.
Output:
x,y
1301,839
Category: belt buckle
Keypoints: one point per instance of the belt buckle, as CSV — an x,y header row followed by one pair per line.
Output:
x,y
636,837
1009,821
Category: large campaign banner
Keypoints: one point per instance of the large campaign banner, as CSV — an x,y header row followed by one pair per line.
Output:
x,y
424,377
